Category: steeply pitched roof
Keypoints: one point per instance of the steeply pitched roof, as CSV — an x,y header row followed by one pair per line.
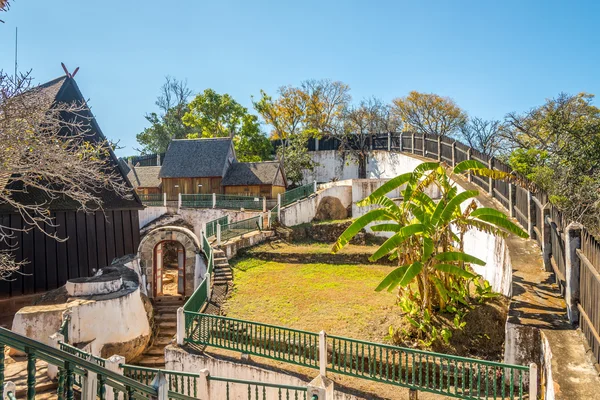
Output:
x,y
196,158
144,176
65,90
256,173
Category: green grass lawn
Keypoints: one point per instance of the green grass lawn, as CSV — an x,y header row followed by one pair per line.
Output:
x,y
339,298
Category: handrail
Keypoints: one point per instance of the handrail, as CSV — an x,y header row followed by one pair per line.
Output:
x,y
247,382
59,357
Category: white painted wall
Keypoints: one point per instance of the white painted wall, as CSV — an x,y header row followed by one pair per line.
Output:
x,y
179,360
199,216
150,213
304,211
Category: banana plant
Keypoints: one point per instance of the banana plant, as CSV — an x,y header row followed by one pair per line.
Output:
x,y
427,234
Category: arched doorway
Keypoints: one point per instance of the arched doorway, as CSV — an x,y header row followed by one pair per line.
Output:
x,y
169,269
181,249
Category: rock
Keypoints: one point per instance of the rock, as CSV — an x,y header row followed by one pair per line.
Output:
x,y
330,208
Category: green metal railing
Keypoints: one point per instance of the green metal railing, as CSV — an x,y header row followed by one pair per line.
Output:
x,y
211,227
208,252
238,228
453,376
259,390
279,343
182,385
274,213
84,356
154,199
297,194
237,202
197,200
68,365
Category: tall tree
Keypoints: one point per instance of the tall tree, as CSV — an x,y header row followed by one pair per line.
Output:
x,y
359,123
167,124
483,135
43,151
557,145
211,114
429,113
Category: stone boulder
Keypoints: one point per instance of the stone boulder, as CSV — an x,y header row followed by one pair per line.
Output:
x,y
330,209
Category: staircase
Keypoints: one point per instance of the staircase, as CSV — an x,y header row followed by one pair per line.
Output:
x,y
221,282
165,318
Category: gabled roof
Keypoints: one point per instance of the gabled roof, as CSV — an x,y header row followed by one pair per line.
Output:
x,y
144,176
196,158
65,90
255,173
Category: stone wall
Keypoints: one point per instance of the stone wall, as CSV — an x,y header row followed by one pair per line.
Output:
x,y
304,211
150,213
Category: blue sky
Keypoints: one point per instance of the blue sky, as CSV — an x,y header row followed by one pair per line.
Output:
x,y
492,57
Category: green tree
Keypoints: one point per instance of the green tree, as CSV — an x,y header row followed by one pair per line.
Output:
x,y
429,113
211,114
557,146
427,236
167,124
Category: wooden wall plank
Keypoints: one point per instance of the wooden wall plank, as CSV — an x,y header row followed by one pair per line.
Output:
x,y
90,226
39,262
72,251
135,224
127,232
110,237
51,264
5,289
101,238
118,227
62,262
82,245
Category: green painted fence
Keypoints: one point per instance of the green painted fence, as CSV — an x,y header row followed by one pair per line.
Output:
x,y
238,228
211,227
298,193
154,199
453,376
182,385
237,202
197,200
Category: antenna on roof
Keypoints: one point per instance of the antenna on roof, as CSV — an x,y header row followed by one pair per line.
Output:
x,y
69,75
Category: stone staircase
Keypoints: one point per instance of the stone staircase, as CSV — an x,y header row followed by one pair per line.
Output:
x,y
221,282
165,317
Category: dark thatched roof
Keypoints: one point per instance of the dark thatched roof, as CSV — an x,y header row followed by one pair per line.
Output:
x,y
256,173
65,90
144,176
196,158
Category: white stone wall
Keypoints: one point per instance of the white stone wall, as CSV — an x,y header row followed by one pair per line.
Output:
x,y
149,214
179,360
199,216
304,211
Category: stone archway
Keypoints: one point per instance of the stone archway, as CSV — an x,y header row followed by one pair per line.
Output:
x,y
183,236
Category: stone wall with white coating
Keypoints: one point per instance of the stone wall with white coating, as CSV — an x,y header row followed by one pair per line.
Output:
x,y
304,211
332,165
150,213
197,217
179,360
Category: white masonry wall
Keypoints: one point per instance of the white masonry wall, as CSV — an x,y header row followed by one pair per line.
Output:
x,y
150,213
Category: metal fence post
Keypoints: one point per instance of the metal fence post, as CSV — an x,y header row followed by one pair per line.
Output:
x,y
572,267
468,158
264,204
401,143
439,143
533,381
546,230
165,199
323,353
214,200
412,136
512,198
218,234
208,286
180,326
179,200
389,141
490,180
530,214
454,154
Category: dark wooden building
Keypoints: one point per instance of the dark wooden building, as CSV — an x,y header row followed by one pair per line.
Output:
x,y
94,239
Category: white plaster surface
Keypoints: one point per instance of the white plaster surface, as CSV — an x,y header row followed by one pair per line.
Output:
x,y
93,288
197,217
304,211
179,360
150,213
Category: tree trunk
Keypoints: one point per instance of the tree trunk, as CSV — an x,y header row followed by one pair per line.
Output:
x,y
362,166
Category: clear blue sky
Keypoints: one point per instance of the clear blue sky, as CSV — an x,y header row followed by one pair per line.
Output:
x,y
492,57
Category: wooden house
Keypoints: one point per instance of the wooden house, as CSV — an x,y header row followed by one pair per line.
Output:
x,y
260,179
145,180
194,166
94,239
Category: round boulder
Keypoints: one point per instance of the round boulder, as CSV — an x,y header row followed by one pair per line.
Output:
x,y
330,208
